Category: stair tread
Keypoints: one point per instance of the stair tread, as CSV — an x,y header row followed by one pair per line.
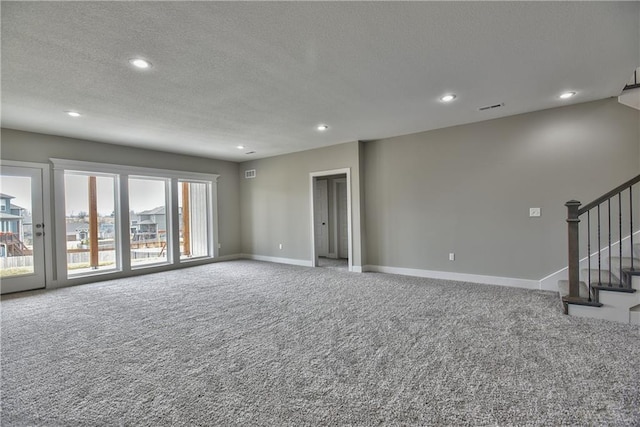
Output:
x,y
581,301
615,288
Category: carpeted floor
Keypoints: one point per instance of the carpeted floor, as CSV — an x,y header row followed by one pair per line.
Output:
x,y
250,343
334,264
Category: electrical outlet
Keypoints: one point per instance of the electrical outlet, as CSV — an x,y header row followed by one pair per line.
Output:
x,y
280,246
452,256
219,245
534,212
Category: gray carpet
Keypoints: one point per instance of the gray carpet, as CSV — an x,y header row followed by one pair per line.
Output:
x,y
334,264
250,343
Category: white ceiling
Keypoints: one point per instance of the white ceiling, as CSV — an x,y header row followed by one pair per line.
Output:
x,y
265,74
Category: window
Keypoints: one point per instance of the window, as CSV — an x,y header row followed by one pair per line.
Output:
x,y
116,218
148,213
193,207
90,223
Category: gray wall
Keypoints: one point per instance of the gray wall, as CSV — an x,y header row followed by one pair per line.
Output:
x,y
468,189
276,205
465,189
35,147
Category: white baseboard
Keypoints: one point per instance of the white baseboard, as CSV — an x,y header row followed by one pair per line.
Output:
x,y
460,277
227,257
292,261
357,269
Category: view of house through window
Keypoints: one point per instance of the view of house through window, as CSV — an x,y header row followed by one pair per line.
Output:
x,y
148,220
194,227
91,222
16,233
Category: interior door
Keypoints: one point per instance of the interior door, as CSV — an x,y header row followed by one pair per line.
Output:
x,y
321,217
22,265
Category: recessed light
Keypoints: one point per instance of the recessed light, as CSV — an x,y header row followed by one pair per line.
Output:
x,y
448,98
322,128
73,113
140,63
567,95
240,147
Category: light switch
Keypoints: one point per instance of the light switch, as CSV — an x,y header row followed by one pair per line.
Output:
x,y
534,212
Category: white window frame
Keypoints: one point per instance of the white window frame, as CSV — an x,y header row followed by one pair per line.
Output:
x,y
60,166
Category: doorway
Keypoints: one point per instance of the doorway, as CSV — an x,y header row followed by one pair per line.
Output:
x,y
22,227
331,219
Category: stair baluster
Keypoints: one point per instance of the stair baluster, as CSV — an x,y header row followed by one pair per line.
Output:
x,y
599,250
620,234
631,223
589,255
609,205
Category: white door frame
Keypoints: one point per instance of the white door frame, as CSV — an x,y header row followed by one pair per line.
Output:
x,y
48,229
336,215
312,176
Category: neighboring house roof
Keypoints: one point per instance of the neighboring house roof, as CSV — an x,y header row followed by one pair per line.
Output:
x,y
6,196
7,216
12,206
155,211
146,221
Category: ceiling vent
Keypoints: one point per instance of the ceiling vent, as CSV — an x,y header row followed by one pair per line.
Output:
x,y
491,107
251,173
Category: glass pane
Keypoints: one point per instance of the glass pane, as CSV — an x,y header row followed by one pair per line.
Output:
x,y
148,216
16,238
194,219
91,223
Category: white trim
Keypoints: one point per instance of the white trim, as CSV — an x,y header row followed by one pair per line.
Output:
x,y
292,261
110,168
460,277
312,176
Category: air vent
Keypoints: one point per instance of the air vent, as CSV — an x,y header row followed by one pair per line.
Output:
x,y
248,174
491,107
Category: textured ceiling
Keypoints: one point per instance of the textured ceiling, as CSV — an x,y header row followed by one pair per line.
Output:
x,y
265,74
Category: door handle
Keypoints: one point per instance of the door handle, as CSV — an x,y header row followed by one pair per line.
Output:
x,y
40,233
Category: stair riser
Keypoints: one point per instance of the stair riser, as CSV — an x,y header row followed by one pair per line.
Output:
x,y
614,263
607,313
619,300
634,317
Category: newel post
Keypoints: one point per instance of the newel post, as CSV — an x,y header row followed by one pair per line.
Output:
x,y
574,255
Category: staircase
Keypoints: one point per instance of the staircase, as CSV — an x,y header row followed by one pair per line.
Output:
x,y
15,246
609,287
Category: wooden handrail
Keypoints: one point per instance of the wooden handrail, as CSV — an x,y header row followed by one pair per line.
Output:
x,y
608,195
